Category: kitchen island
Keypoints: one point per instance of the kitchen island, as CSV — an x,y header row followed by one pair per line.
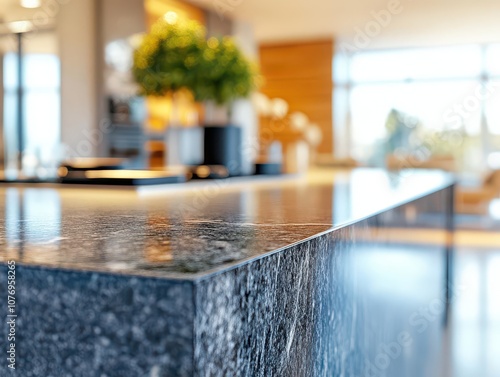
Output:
x,y
333,274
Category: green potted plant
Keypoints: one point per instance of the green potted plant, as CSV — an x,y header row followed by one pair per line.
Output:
x,y
166,65
166,62
176,56
225,76
168,58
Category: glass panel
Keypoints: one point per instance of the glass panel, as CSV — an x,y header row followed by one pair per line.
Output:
x,y
432,110
370,106
341,64
10,71
41,105
492,109
341,121
8,109
493,60
42,129
414,64
10,130
41,71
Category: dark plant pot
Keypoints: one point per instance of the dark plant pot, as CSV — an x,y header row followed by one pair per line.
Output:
x,y
222,146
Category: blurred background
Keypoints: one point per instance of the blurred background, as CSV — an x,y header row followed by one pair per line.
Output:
x,y
382,83
380,79
395,84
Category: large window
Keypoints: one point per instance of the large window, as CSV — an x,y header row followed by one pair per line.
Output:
x,y
41,102
448,99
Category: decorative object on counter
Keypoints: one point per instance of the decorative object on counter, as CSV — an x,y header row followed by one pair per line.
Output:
x,y
185,146
275,152
268,168
122,177
86,164
114,172
299,121
226,75
273,163
298,136
262,105
297,157
279,108
222,146
313,137
174,57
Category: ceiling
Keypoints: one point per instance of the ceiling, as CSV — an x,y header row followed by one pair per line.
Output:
x,y
10,10
419,22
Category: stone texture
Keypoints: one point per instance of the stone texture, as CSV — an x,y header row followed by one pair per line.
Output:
x,y
324,308
82,324
287,280
192,233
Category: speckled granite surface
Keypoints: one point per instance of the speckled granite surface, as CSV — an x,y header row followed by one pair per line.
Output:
x,y
88,324
270,279
196,229
338,305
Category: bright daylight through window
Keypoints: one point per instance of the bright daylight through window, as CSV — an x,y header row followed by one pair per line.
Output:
x,y
427,103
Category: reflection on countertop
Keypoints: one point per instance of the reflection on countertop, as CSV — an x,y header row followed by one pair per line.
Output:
x,y
475,325
188,230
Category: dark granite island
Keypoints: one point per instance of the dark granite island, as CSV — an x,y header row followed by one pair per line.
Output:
x,y
342,274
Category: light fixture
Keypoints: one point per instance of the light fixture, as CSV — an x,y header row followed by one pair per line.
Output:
x,y
171,17
17,27
31,3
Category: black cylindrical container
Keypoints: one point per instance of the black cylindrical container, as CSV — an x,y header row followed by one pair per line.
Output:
x,y
223,147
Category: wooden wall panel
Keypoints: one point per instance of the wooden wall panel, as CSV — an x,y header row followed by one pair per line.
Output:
x,y
301,74
157,8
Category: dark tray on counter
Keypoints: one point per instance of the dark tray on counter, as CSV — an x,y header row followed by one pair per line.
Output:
x,y
122,177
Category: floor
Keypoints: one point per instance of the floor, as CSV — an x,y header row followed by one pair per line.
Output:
x,y
475,323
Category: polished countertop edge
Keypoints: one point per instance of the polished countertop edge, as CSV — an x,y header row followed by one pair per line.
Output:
x,y
222,269
198,277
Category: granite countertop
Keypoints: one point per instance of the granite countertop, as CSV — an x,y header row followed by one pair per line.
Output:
x,y
191,230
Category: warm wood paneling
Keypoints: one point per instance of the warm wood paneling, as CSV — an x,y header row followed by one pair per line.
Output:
x,y
301,74
156,9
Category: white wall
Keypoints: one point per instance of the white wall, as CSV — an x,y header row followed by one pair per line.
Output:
x,y
122,19
244,114
76,28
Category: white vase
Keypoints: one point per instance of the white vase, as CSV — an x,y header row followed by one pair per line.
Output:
x,y
216,115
